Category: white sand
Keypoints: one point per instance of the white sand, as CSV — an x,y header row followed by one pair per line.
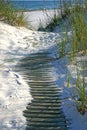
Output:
x,y
40,18
16,43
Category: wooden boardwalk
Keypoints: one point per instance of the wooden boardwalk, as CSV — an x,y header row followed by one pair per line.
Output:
x,y
44,112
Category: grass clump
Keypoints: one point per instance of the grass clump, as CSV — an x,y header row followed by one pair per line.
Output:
x,y
81,103
9,15
77,22
79,30
78,84
80,88
78,25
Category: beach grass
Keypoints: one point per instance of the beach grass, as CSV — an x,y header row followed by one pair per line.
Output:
x,y
78,24
79,29
9,15
79,92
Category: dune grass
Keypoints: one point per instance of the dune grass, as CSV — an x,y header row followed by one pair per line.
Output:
x,y
79,29
79,86
77,23
78,41
53,23
9,15
81,102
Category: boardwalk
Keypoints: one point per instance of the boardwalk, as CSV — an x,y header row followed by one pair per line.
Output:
x,y
44,112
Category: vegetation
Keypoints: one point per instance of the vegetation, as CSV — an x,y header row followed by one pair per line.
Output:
x,y
9,15
79,86
81,103
79,29
53,23
78,25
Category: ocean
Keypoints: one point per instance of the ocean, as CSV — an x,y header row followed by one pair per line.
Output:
x,y
38,4
35,5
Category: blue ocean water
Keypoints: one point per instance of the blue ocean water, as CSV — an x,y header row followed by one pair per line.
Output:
x,y
38,4
35,5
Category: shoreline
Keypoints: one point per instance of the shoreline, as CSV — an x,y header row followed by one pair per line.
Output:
x,y
38,10
35,10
